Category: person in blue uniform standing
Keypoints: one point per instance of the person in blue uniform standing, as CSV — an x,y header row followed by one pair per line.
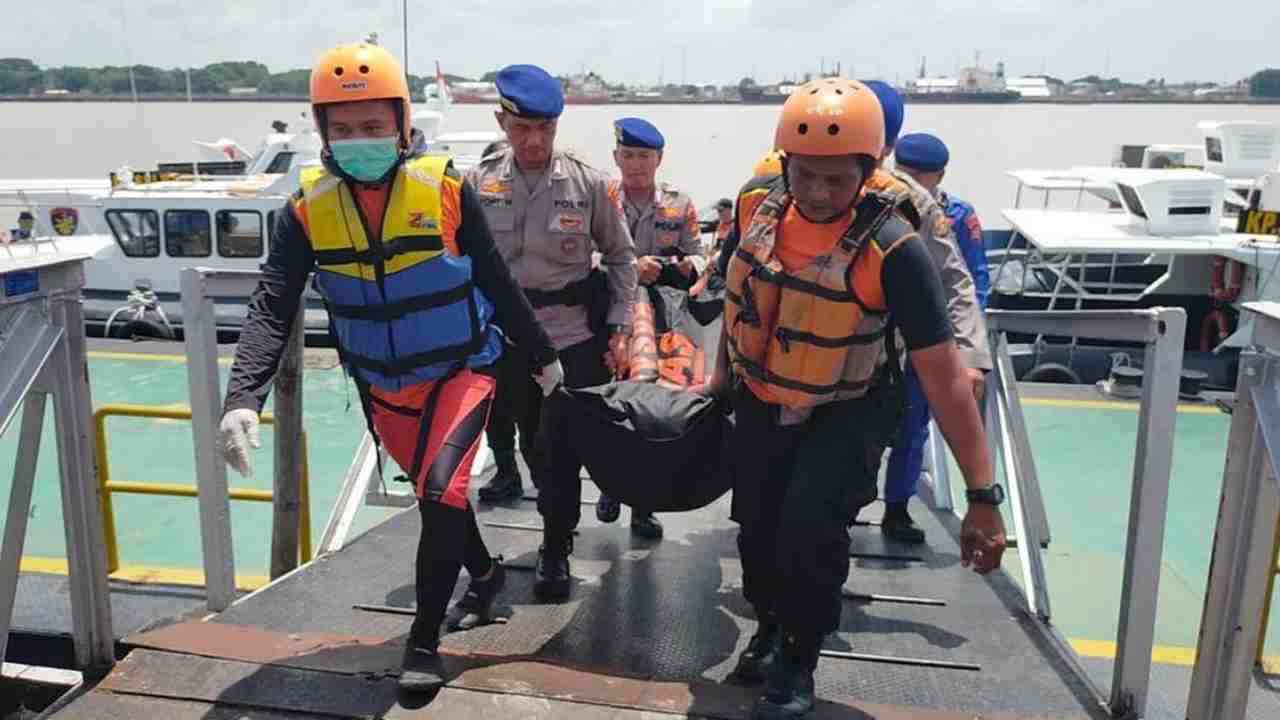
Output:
x,y
924,157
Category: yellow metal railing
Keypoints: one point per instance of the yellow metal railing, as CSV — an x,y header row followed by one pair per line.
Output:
x,y
108,486
1266,602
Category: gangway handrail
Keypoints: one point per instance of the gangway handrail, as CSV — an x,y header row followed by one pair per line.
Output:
x,y
199,285
42,354
109,486
1162,331
1242,564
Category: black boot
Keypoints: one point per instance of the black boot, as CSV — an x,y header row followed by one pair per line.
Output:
x,y
505,483
897,524
755,663
551,575
789,693
645,525
422,670
607,509
476,606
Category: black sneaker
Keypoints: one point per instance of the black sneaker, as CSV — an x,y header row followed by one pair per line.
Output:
x,y
607,509
758,659
505,484
897,525
645,525
789,693
422,670
551,575
476,606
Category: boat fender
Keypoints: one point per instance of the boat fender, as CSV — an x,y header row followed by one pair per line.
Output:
x,y
1217,327
1228,277
1052,373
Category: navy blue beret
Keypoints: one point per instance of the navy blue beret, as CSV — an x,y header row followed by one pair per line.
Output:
x,y
634,132
529,91
892,105
922,151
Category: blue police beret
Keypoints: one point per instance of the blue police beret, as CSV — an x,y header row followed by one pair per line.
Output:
x,y
634,132
894,110
529,91
922,151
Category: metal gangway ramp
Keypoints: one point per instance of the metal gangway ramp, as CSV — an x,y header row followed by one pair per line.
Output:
x,y
42,356
652,630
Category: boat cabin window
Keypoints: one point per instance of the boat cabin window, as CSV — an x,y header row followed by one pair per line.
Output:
x,y
280,163
137,232
239,233
187,233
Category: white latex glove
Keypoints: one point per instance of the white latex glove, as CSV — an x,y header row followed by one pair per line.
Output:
x,y
239,432
549,377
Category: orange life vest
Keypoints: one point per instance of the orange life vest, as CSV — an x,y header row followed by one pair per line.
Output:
x,y
815,334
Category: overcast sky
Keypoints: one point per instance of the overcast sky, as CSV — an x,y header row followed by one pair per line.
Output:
x,y
638,41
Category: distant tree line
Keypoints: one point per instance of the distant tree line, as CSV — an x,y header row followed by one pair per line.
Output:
x,y
20,76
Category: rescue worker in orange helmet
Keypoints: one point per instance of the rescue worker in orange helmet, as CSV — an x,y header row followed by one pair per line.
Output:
x,y
770,164
412,282
825,277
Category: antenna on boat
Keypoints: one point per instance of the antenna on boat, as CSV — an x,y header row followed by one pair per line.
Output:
x,y
404,17
124,28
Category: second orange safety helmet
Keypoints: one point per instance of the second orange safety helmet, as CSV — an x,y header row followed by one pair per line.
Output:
x,y
831,116
360,71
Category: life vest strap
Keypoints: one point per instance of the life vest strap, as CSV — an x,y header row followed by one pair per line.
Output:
x,y
404,365
395,310
784,280
788,335
761,373
375,254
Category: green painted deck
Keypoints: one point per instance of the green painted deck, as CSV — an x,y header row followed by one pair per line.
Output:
x,y
1084,454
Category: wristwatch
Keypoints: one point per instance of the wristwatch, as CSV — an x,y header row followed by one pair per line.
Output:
x,y
993,495
615,329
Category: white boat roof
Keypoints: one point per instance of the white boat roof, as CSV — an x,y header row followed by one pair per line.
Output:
x,y
53,185
1093,178
1073,231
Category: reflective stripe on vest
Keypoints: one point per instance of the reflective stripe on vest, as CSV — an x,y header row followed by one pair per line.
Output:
x,y
403,308
811,336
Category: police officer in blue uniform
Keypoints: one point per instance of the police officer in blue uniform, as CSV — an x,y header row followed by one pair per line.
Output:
x,y
549,213
924,157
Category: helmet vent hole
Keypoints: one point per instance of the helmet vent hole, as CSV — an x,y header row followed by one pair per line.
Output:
x,y
364,69
803,129
833,129
813,91
338,71
839,91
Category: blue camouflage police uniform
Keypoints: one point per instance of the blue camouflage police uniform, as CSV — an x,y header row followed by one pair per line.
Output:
x,y
926,152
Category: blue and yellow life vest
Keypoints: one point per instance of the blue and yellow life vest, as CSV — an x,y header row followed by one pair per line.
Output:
x,y
403,307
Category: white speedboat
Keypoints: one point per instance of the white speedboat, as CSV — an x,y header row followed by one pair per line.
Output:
x,y
141,227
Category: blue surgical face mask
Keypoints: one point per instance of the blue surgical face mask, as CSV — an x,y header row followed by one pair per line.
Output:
x,y
366,159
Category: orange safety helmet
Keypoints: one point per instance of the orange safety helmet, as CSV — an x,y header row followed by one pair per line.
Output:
x,y
831,116
770,164
360,71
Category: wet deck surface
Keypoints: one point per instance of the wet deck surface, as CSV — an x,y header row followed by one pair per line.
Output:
x,y
651,630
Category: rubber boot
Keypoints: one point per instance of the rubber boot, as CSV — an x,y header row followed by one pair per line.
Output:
x,y
506,483
476,606
789,692
897,524
645,525
551,574
422,670
758,659
607,509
